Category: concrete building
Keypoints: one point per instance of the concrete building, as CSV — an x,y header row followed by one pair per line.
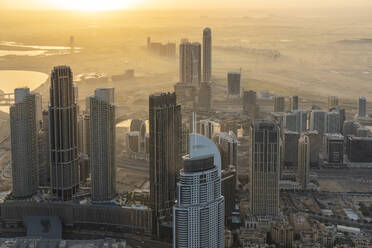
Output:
x,y
332,102
359,149
250,106
294,101
44,152
205,97
233,84
228,182
165,155
190,63
24,144
208,128
295,121
158,48
315,147
265,171
290,148
333,122
227,144
350,128
362,107
207,55
198,216
102,145
63,134
303,169
279,104
84,146
333,150
187,96
282,234
318,121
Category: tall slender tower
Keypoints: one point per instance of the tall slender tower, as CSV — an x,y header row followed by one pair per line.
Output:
x,y
303,170
190,63
198,216
265,170
24,144
165,155
207,55
63,134
102,145
362,106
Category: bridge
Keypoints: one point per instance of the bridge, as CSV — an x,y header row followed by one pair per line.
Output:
x,y
6,99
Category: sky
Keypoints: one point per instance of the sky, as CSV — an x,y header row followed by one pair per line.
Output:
x,y
158,4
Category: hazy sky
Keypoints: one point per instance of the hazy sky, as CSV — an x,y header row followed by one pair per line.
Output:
x,y
114,4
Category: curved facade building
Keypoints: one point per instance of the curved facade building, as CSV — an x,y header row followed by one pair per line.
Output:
x,y
63,134
198,216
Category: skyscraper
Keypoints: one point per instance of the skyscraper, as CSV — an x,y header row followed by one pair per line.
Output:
x,y
295,121
265,171
332,102
362,107
294,103
102,145
190,63
303,170
205,97
333,122
207,55
24,144
165,155
198,216
44,163
279,104
233,83
63,134
250,106
318,121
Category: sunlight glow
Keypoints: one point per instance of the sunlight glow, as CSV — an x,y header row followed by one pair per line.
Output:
x,y
91,5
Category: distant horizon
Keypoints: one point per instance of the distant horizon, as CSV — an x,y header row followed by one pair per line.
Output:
x,y
116,5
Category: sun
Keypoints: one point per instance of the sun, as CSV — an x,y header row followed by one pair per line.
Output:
x,y
92,5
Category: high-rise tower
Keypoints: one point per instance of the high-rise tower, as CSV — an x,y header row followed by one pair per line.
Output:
x,y
165,155
303,170
190,63
102,144
24,144
207,55
362,106
63,134
265,171
198,216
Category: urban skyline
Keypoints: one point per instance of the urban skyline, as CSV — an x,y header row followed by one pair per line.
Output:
x,y
200,132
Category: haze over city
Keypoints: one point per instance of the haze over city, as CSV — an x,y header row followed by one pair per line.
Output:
x,y
198,124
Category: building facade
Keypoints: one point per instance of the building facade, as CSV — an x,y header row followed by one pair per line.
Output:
x,y
102,145
303,169
318,121
198,216
362,107
165,155
233,83
265,171
207,55
205,97
63,134
190,63
24,144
